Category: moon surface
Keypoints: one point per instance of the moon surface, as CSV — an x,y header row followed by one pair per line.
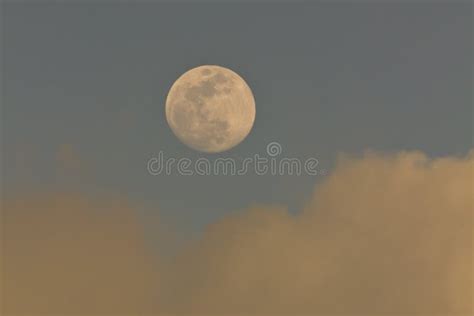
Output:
x,y
210,108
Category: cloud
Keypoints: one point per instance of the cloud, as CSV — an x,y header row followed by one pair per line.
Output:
x,y
383,234
65,254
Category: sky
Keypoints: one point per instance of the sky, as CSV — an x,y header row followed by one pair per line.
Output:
x,y
379,93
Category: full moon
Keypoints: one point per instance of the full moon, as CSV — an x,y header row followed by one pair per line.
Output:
x,y
210,108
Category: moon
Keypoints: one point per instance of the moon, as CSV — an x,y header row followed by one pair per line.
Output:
x,y
210,109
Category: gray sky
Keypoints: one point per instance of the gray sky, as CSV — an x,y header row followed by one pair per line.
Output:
x,y
91,79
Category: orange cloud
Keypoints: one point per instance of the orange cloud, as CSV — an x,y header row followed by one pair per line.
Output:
x,y
383,234
65,254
